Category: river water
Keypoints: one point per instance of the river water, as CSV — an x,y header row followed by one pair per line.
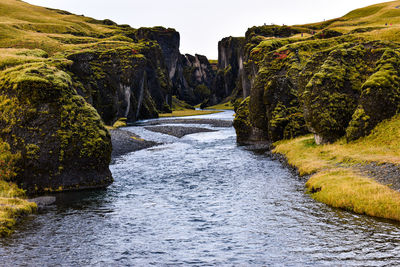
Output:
x,y
200,200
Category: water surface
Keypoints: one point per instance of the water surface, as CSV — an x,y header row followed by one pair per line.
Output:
x,y
200,200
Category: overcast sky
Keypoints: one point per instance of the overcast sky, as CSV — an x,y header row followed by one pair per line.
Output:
x,y
202,23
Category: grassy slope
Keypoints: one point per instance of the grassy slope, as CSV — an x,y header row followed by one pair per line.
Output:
x,y
36,34
337,182
26,26
371,19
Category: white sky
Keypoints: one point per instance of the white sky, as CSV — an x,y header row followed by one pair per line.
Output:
x,y
202,23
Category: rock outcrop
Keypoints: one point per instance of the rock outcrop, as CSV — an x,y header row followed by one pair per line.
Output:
x,y
236,70
60,139
61,83
191,77
130,82
329,84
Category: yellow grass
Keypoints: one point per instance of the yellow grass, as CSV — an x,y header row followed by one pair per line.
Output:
x,y
12,206
121,122
347,189
188,112
27,26
340,183
223,106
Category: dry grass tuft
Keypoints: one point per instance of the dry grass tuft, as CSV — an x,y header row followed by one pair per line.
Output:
x,y
336,183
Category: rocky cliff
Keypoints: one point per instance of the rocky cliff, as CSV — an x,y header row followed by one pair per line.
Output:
x,y
63,76
236,70
320,78
191,76
59,138
130,82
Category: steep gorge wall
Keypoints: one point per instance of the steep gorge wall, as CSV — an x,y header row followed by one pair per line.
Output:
x,y
52,110
191,76
236,69
330,84
129,82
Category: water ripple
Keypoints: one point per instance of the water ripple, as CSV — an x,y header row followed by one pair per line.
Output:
x,y
202,201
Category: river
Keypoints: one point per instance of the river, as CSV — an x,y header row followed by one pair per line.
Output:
x,y
200,200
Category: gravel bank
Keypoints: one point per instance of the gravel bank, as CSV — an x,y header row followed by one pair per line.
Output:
x,y
387,174
177,131
124,142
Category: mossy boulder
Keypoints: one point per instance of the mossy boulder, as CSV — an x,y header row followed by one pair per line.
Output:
x,y
380,97
330,98
60,138
242,122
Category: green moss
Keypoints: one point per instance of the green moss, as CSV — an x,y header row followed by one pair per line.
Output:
x,y
331,95
202,92
36,93
382,87
32,151
241,122
121,122
178,104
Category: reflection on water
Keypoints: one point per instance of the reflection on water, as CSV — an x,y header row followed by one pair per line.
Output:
x,y
199,200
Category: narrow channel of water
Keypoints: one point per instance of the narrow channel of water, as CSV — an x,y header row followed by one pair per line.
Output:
x,y
199,200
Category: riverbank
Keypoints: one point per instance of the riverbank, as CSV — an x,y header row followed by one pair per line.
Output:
x,y
124,142
13,205
361,176
187,113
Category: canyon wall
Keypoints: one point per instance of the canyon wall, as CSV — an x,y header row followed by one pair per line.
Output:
x,y
328,84
61,84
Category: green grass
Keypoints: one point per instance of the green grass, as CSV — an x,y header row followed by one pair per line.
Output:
x,y
188,112
27,26
336,181
12,199
224,106
178,104
13,205
121,122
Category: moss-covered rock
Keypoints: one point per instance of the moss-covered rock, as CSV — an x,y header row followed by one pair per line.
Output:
x,y
60,138
380,97
330,97
242,122
129,81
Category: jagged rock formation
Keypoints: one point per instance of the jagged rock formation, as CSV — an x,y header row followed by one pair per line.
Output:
x,y
313,79
59,83
236,71
127,82
59,138
191,77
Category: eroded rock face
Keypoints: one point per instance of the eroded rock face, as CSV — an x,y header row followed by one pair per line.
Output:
x,y
125,82
191,76
60,138
230,68
169,41
330,85
237,70
198,78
